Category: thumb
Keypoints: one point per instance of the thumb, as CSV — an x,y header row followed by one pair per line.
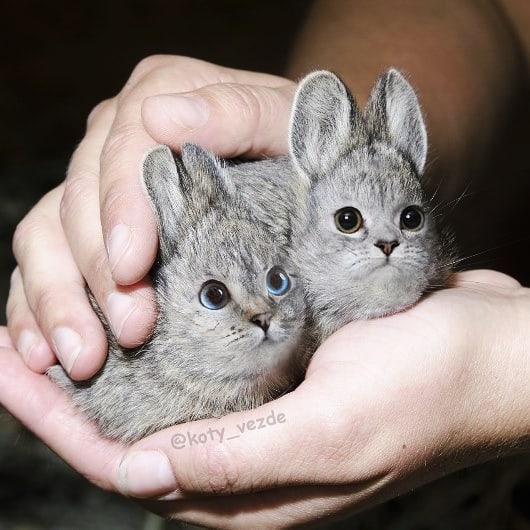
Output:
x,y
272,446
227,118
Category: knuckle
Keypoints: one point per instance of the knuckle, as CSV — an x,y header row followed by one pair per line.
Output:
x,y
12,308
144,67
220,473
15,278
18,314
53,306
245,101
100,110
99,269
19,239
45,304
15,319
77,186
114,198
24,232
11,312
118,141
159,74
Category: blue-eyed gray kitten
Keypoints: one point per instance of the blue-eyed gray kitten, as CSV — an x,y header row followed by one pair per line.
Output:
x,y
229,335
371,246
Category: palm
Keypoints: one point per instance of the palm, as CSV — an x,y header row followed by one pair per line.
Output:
x,y
381,399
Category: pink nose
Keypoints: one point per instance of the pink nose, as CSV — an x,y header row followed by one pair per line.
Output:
x,y
387,247
263,320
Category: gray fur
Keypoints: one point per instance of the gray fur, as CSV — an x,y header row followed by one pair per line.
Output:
x,y
233,222
201,362
373,162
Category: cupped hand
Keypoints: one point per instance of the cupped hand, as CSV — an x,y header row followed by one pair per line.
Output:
x,y
98,227
386,405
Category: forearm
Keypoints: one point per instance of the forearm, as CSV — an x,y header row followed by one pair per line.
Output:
x,y
463,58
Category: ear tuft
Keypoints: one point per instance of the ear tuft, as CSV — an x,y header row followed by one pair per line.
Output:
x,y
393,114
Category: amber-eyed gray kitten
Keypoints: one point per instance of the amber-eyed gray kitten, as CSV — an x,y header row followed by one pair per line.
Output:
x,y
229,334
371,246
367,244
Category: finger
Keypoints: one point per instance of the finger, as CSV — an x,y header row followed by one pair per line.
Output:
x,y
30,341
189,73
128,223
273,445
485,277
278,508
129,310
229,119
55,290
45,410
129,226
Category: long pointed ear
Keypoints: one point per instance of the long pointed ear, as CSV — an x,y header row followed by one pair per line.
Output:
x,y
181,190
325,122
393,114
210,181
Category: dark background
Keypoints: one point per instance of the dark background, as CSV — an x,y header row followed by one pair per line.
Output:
x,y
58,60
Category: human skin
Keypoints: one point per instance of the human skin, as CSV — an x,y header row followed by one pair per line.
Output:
x,y
386,405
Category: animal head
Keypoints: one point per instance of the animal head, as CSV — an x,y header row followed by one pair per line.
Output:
x,y
371,246
229,297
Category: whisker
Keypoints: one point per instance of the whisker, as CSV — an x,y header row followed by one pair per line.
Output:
x,y
491,250
438,187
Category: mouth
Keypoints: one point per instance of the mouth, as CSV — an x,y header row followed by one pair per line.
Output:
x,y
383,265
274,350
266,344
275,343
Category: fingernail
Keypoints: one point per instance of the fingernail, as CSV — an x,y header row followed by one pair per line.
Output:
x,y
146,474
184,111
119,308
26,344
67,345
118,243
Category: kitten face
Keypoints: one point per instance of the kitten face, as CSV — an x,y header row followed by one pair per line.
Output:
x,y
237,310
371,247
371,236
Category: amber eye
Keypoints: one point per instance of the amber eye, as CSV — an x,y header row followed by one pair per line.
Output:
x,y
348,220
214,295
412,218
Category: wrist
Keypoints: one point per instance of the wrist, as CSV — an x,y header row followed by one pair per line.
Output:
x,y
499,404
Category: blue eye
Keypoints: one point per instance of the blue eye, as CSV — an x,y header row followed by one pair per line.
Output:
x,y
214,295
278,282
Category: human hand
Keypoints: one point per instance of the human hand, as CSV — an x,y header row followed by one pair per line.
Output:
x,y
98,225
386,405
